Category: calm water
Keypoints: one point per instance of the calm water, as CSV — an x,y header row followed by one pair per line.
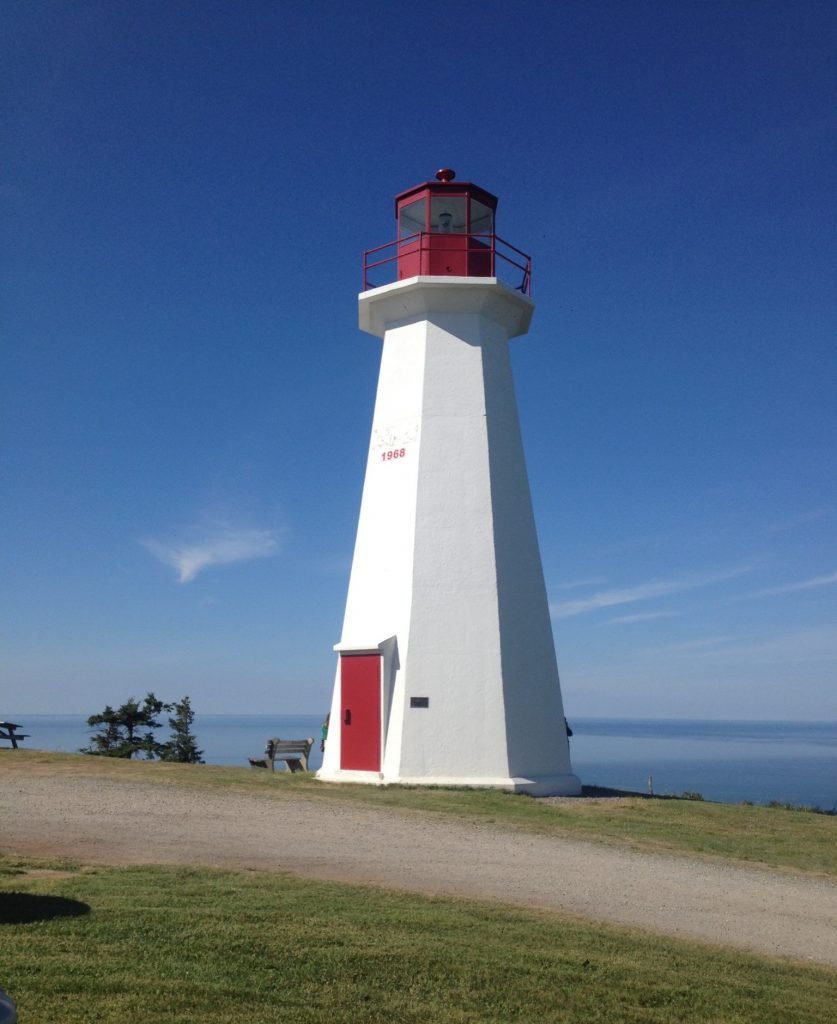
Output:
x,y
793,762
729,761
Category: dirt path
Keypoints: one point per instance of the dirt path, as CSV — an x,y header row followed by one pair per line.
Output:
x,y
136,823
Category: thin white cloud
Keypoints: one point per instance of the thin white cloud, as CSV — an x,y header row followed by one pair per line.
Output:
x,y
644,617
688,646
218,546
642,592
790,588
610,598
793,522
594,581
811,644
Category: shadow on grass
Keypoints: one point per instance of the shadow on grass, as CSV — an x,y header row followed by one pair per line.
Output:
x,y
604,791
25,907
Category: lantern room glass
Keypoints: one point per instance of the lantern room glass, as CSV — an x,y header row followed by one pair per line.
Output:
x,y
482,218
448,214
411,218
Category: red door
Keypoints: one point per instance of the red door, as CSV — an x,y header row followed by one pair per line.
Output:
x,y
360,707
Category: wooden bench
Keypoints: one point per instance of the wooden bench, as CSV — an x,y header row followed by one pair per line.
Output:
x,y
8,731
293,752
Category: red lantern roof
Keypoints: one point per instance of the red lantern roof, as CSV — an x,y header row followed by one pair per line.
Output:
x,y
445,184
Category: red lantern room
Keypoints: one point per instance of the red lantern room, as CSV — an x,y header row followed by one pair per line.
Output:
x,y
439,227
446,229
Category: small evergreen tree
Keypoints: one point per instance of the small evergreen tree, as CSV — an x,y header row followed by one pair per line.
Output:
x,y
128,730
181,745
110,739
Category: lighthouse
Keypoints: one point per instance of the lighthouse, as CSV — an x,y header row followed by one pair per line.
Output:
x,y
446,669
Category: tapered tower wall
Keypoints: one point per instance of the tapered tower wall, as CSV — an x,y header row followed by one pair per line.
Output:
x,y
446,579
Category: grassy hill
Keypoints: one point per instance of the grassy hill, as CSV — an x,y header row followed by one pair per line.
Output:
x,y
775,837
87,944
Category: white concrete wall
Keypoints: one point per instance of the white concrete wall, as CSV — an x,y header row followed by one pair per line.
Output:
x,y
532,693
380,585
446,558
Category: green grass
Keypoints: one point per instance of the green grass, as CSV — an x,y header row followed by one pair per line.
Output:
x,y
183,946
778,838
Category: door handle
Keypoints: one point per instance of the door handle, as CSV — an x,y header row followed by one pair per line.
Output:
x,y
347,716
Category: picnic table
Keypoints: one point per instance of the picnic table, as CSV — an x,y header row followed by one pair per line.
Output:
x,y
9,731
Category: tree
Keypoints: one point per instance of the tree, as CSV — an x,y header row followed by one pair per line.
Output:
x,y
128,730
182,745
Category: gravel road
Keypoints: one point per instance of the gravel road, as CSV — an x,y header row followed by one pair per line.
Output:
x,y
106,822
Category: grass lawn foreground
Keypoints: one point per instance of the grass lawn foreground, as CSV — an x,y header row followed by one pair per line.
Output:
x,y
82,944
183,946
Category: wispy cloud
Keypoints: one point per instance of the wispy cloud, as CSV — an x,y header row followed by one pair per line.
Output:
x,y
644,617
790,588
218,545
688,646
610,598
793,522
812,644
594,581
641,592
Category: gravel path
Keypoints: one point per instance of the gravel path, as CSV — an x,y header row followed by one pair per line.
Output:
x,y
136,823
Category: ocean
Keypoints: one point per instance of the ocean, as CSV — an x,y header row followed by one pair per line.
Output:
x,y
792,762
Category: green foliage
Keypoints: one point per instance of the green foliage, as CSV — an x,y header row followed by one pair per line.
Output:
x,y
130,729
183,945
182,745
804,808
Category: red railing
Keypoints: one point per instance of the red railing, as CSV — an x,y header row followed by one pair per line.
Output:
x,y
476,255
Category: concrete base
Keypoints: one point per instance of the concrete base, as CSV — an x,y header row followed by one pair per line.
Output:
x,y
545,785
340,775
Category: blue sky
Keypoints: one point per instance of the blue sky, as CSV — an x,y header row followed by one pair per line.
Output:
x,y
186,398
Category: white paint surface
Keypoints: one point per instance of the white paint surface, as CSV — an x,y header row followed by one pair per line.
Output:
x,y
446,579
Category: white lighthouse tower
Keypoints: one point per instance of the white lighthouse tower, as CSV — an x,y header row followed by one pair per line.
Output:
x,y
446,670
